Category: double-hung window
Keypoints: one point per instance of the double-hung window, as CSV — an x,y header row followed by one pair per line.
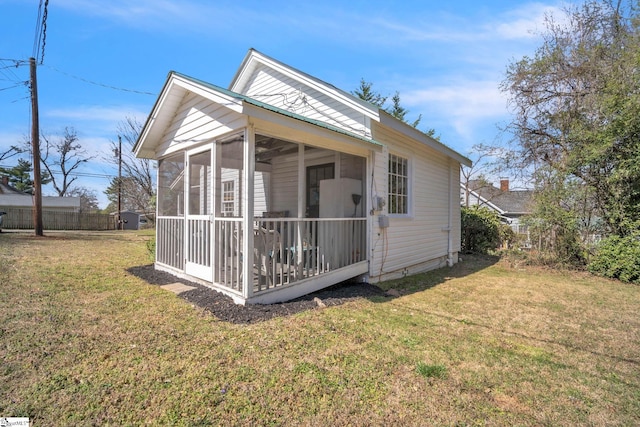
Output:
x,y
398,185
228,198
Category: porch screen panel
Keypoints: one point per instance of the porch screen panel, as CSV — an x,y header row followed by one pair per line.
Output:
x,y
200,184
170,222
230,174
171,186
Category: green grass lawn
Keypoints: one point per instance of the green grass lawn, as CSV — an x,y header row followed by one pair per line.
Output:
x,y
83,341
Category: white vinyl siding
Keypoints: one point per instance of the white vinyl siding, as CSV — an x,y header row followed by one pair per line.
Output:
x,y
285,196
199,120
419,241
271,87
231,182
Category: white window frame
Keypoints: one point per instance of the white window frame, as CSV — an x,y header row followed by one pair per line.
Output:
x,y
408,190
232,201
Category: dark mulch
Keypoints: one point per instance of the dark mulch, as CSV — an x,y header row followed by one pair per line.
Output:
x,y
226,310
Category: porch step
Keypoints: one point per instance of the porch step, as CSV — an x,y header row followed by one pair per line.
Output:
x,y
177,288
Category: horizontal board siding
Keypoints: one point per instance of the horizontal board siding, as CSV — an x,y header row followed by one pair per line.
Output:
x,y
423,236
284,191
261,193
274,88
199,119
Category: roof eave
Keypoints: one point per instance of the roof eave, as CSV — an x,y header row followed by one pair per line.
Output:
x,y
356,103
232,100
388,120
179,81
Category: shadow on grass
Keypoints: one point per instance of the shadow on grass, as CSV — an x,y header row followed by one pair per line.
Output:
x,y
223,307
407,285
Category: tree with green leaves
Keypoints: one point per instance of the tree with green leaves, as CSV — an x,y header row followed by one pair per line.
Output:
x,y
20,176
366,92
399,112
133,196
577,112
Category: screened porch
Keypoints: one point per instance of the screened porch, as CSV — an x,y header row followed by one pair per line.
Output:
x,y
260,218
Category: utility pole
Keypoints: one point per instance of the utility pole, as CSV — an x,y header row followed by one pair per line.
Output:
x,y
35,147
119,182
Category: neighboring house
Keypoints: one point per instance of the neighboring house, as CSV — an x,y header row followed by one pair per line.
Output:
x,y
12,198
511,205
283,184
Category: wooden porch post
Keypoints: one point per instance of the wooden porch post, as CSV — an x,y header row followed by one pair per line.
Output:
x,y
216,246
249,163
302,178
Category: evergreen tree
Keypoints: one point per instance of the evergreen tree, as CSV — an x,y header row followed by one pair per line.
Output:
x,y
20,176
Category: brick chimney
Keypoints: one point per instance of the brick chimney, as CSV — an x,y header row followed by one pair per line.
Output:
x,y
504,184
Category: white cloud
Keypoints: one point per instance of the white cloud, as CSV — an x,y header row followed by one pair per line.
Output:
x,y
167,15
524,22
464,105
98,113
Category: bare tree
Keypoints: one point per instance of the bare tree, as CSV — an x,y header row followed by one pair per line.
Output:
x,y
88,198
62,157
10,152
486,160
138,183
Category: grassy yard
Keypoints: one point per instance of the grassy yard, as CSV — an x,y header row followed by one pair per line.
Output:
x,y
83,341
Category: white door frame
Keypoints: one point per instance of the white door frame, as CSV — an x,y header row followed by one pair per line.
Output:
x,y
199,227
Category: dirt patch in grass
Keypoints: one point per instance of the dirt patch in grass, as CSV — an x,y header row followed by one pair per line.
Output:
x,y
226,310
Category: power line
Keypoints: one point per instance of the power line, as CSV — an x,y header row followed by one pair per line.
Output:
x,y
44,30
36,36
40,37
20,99
14,86
79,174
99,84
16,64
7,70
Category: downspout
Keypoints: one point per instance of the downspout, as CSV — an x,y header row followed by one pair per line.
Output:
x,y
450,225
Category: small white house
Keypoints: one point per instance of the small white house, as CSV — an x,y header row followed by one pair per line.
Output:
x,y
283,184
12,198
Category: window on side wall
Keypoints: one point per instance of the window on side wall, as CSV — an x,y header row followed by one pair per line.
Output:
x,y
228,198
398,185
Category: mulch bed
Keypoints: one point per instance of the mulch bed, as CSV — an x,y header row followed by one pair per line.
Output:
x,y
226,310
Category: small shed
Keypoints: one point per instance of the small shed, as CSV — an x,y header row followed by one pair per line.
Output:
x,y
130,220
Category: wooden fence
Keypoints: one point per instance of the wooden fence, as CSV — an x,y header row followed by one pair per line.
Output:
x,y
22,219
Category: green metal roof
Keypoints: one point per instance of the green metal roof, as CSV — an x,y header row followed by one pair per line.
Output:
x,y
277,110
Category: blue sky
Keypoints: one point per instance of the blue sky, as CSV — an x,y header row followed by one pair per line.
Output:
x,y
446,59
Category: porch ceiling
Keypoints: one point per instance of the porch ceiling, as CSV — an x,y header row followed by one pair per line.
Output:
x,y
268,148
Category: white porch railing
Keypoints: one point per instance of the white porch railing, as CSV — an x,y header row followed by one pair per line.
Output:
x,y
227,253
289,250
170,241
285,250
